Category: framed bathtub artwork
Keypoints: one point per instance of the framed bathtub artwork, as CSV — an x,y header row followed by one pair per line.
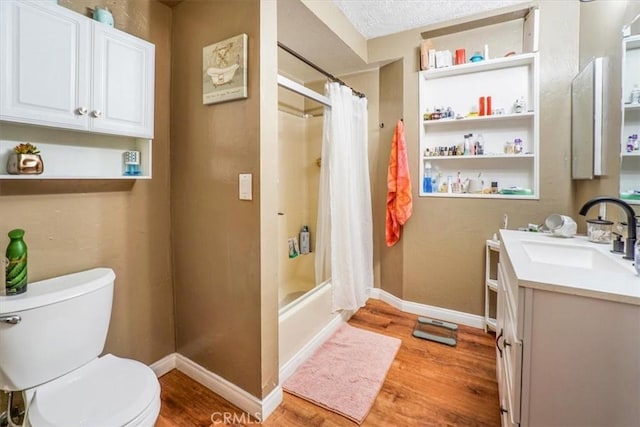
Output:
x,y
224,70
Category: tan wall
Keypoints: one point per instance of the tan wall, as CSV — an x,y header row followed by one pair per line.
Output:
x,y
608,18
217,240
443,242
388,262
75,225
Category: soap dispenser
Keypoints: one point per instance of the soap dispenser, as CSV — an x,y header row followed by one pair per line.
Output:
x,y
618,244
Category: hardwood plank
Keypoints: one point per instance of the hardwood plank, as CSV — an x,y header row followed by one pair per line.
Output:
x,y
428,384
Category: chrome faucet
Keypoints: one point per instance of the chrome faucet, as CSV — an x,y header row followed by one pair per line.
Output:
x,y
631,220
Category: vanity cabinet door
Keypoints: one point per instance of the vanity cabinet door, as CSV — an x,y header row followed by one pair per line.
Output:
x,y
123,83
44,65
509,353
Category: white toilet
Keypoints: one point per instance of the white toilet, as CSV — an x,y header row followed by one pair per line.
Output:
x,y
50,339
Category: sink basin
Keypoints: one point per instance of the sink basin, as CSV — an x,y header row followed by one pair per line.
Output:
x,y
568,255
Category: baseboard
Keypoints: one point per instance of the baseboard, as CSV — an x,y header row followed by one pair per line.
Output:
x,y
164,365
271,402
445,314
229,391
307,350
251,404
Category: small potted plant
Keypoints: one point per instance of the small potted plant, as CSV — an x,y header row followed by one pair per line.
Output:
x,y
25,159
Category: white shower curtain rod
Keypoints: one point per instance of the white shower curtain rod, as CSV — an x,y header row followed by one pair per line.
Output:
x,y
303,90
320,70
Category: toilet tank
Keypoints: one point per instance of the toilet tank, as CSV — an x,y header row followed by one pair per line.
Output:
x,y
63,325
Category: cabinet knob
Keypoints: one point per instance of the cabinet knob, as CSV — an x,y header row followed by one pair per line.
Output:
x,y
97,113
503,410
82,111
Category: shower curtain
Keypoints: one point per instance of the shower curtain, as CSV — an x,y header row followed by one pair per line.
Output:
x,y
344,239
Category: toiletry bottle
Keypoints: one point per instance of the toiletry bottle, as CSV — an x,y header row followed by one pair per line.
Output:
x,y
16,270
472,145
480,142
427,181
304,240
489,108
635,95
517,146
519,106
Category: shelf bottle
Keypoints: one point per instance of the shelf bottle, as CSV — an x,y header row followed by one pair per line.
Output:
x,y
16,269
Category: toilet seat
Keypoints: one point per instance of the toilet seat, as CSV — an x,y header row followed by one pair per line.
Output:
x,y
106,392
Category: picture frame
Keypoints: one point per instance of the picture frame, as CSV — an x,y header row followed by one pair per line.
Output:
x,y
224,70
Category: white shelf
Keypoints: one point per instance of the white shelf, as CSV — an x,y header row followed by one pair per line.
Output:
x,y
493,245
490,284
467,120
631,107
51,177
475,67
485,157
631,154
461,87
479,196
74,155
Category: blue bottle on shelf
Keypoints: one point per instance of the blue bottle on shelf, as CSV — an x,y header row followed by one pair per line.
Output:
x,y
427,181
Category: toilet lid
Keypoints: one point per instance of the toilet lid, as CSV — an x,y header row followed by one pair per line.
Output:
x,y
106,392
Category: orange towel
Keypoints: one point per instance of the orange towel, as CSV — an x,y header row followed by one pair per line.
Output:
x,y
399,203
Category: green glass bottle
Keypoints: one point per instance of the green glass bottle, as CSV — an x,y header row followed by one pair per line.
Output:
x,y
16,272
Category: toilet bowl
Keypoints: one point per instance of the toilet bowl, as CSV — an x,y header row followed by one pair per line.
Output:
x,y
51,337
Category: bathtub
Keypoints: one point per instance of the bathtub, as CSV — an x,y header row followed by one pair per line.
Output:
x,y
304,325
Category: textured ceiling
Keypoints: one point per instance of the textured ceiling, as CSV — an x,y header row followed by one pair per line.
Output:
x,y
376,18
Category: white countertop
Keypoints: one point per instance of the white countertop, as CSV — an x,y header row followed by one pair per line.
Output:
x,y
607,282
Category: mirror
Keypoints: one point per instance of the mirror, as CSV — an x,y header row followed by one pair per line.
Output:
x,y
587,97
629,142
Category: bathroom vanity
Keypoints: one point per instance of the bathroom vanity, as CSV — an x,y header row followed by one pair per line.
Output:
x,y
568,333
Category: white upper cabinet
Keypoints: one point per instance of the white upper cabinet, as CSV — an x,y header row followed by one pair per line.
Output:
x,y
65,70
122,83
45,65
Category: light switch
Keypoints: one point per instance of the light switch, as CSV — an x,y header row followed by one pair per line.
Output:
x,y
244,181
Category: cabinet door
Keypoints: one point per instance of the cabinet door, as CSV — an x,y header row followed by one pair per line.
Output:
x,y
123,78
44,65
509,353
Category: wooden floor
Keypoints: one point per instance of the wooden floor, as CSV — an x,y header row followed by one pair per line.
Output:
x,y
429,384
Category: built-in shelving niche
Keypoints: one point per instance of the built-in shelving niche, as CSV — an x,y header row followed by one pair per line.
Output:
x,y
74,155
